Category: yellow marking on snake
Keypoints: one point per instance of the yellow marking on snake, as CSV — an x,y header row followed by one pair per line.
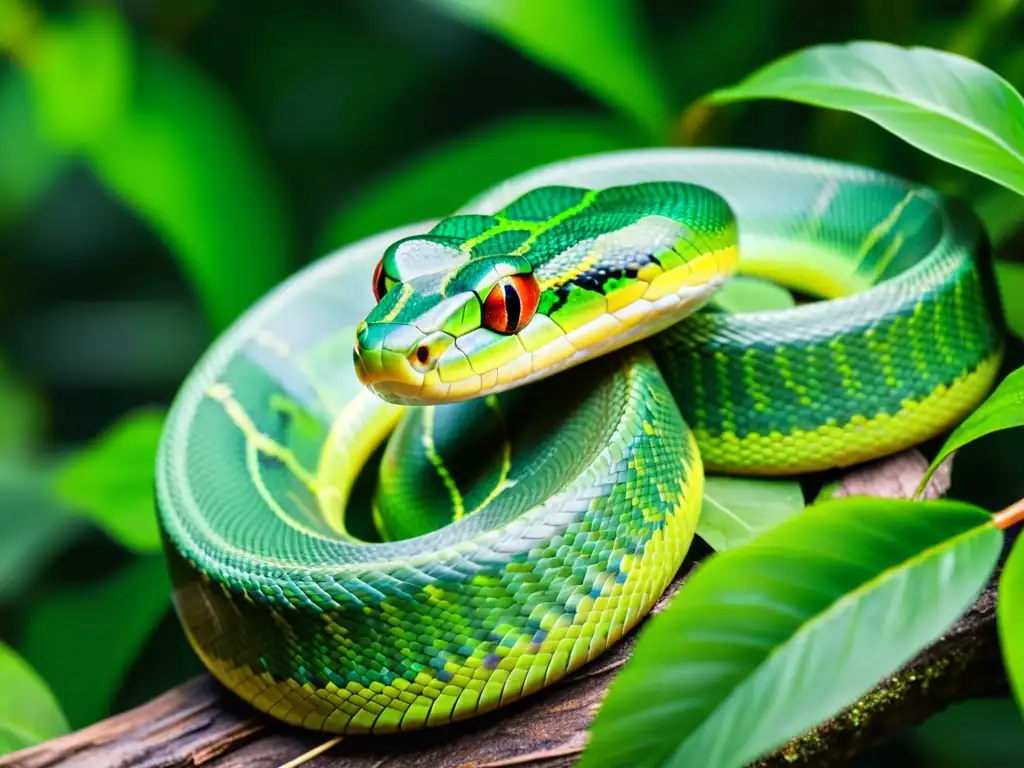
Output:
x,y
554,221
257,442
403,299
881,229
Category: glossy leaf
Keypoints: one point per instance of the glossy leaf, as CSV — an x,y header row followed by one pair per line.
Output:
x,y
112,481
767,640
751,294
737,509
29,713
600,46
107,623
444,179
944,104
1010,620
1003,409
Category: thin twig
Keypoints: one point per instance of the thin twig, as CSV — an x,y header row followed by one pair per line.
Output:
x,y
307,756
1012,515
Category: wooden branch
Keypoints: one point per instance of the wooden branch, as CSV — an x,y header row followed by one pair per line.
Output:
x,y
201,724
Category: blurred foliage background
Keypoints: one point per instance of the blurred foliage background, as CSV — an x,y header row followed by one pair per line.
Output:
x,y
163,163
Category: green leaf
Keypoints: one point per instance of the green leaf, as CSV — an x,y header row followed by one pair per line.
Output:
x,y
441,181
172,148
744,293
112,480
1010,619
1010,279
1003,409
737,509
84,639
599,46
29,714
767,640
941,103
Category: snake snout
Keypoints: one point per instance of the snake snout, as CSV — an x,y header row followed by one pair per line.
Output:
x,y
395,357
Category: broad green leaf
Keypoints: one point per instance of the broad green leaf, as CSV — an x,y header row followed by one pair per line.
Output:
x,y
29,714
1010,279
744,293
767,640
84,639
737,509
1003,409
171,147
112,480
944,104
1010,619
441,181
600,46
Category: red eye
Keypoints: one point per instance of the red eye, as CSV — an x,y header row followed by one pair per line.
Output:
x,y
380,282
511,303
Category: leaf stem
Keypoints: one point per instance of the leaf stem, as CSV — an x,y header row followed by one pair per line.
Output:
x,y
1012,515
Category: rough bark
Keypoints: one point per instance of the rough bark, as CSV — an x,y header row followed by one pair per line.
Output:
x,y
201,724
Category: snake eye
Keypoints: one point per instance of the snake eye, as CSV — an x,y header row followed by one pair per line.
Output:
x,y
511,303
381,282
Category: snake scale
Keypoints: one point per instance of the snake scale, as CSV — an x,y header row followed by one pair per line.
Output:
x,y
536,386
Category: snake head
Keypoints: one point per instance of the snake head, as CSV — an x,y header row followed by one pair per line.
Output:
x,y
481,304
443,321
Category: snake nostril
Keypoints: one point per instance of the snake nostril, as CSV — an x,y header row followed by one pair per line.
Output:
x,y
422,359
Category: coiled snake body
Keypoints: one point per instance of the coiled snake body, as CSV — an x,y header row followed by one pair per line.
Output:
x,y
530,519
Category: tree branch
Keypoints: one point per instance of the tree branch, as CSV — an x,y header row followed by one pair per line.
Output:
x,y
201,724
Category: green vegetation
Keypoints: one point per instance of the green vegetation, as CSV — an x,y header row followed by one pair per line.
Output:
x,y
163,167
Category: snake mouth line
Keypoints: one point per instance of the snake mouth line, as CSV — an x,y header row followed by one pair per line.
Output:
x,y
398,382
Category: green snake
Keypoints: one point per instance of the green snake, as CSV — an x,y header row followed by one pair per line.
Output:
x,y
536,386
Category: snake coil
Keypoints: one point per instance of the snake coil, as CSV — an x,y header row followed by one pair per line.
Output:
x,y
526,520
